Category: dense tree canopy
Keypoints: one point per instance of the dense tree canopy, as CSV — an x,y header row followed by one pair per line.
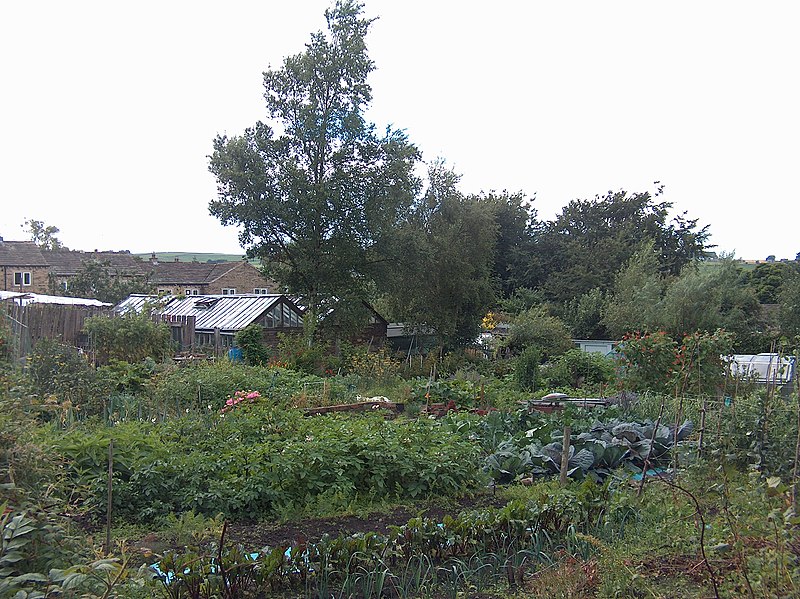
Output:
x,y
590,240
316,191
441,275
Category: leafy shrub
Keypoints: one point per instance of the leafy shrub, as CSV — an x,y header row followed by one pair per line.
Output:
x,y
131,337
648,361
536,326
251,341
295,353
257,461
378,365
64,373
576,369
526,368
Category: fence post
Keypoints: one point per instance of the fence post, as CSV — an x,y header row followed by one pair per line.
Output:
x,y
109,499
565,456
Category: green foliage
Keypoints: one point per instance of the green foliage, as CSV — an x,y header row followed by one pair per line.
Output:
x,y
648,361
526,368
536,326
655,362
62,372
6,339
42,235
789,299
99,279
584,315
296,353
206,386
258,461
595,452
767,279
635,299
520,300
317,194
442,254
425,557
130,337
576,369
591,240
251,341
710,299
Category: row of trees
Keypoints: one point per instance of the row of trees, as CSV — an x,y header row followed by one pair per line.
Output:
x,y
335,209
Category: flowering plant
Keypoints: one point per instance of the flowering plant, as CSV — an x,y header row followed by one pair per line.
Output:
x,y
239,397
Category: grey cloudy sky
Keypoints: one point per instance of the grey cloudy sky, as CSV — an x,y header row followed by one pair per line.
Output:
x,y
108,109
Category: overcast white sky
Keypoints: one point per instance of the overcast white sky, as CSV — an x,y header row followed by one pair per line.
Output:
x,y
108,109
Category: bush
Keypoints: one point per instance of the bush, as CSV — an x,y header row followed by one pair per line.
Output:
x,y
251,341
62,373
577,369
131,337
536,327
526,368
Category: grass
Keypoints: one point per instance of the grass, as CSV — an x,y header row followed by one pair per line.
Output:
x,y
196,257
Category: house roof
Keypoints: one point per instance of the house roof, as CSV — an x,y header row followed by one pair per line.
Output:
x,y
69,262
21,253
188,273
224,312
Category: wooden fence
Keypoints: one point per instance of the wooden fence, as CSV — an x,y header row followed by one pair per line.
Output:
x,y
32,322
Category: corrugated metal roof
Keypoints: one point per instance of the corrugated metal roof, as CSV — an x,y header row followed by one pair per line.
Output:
x,y
223,312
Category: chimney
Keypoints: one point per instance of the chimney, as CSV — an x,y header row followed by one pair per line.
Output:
x,y
177,259
154,259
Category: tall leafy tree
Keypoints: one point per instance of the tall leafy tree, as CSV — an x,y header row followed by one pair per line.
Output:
x,y
585,245
715,297
634,303
317,189
43,235
515,221
442,273
789,300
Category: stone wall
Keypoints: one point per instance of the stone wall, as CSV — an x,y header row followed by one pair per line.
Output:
x,y
39,279
245,278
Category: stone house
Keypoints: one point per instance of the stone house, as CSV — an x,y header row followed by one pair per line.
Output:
x,y
23,267
202,278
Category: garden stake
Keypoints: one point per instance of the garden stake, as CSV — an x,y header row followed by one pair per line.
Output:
x,y
702,429
565,456
650,450
108,501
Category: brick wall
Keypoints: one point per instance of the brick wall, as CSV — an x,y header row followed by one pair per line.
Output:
x,y
244,279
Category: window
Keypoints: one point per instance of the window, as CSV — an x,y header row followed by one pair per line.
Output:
x,y
64,285
164,291
228,291
22,278
261,290
190,291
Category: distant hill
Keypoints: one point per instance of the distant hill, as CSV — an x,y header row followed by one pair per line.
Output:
x,y
195,257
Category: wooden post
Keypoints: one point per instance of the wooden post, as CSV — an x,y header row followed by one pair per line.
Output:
x,y
565,456
108,501
702,429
